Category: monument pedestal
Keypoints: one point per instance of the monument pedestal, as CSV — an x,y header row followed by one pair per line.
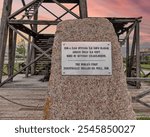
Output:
x,y
88,83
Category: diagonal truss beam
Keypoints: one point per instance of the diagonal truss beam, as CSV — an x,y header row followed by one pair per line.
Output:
x,y
62,6
143,103
24,29
68,11
129,32
22,9
59,18
50,12
141,95
35,11
34,22
34,45
36,59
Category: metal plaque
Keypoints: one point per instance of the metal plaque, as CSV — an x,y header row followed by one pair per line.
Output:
x,y
86,58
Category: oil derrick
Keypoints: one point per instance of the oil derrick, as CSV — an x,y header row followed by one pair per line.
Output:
x,y
28,23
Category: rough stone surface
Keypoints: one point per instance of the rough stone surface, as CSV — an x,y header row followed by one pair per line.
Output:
x,y
88,97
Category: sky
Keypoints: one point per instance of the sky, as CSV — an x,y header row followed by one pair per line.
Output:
x,y
114,8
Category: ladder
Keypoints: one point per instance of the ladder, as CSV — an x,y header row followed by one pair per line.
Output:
x,y
32,10
44,42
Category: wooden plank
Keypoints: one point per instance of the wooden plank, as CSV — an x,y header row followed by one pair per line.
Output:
x,y
28,57
137,53
124,20
7,6
62,1
45,36
34,22
12,49
33,56
83,8
127,57
23,2
24,29
23,95
132,53
138,79
10,52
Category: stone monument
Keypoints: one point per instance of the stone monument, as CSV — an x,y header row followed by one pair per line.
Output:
x,y
87,80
